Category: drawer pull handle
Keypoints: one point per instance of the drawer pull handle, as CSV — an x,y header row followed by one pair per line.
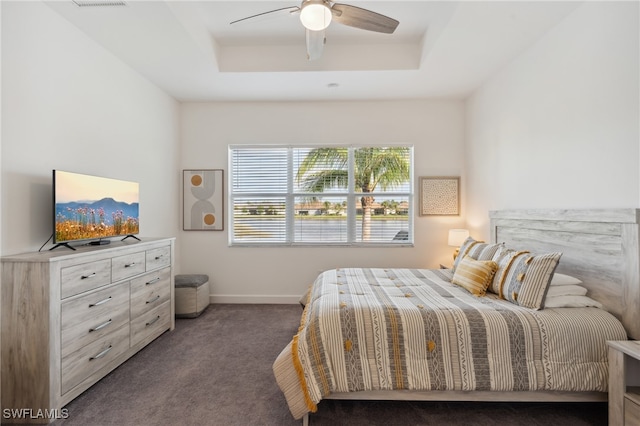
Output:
x,y
84,277
159,257
100,327
153,321
155,280
101,354
128,265
154,299
100,302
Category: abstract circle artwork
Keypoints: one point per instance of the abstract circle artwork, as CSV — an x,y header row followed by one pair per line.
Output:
x,y
203,207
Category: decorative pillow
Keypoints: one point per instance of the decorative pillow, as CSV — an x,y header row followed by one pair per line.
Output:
x,y
571,302
503,257
562,279
566,290
525,280
478,250
474,275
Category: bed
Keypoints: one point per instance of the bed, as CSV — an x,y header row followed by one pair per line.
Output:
x,y
419,334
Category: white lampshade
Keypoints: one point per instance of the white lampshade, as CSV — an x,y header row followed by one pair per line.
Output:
x,y
457,237
315,15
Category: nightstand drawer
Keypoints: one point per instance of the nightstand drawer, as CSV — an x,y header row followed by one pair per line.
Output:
x,y
127,266
89,317
632,409
87,276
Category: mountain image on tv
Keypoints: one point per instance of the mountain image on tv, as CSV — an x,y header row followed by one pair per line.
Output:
x,y
98,219
79,216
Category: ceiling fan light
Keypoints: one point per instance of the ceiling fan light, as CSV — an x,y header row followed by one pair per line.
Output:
x,y
315,15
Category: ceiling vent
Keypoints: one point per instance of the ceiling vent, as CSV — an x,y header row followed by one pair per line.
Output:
x,y
101,3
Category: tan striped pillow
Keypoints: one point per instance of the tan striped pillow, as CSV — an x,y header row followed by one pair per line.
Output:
x,y
503,257
478,250
474,275
523,278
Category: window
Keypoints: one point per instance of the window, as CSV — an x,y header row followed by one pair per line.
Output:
x,y
332,195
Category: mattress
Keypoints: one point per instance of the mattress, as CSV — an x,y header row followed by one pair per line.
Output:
x,y
366,329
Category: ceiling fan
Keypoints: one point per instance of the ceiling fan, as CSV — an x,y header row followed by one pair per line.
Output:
x,y
316,15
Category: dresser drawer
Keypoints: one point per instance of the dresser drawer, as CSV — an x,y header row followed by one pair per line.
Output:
x,y
79,365
150,290
50,356
127,266
158,258
91,316
87,276
151,324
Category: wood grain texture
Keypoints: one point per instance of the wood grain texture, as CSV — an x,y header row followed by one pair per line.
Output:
x,y
624,381
631,410
158,258
524,396
28,331
93,357
616,386
600,247
89,317
45,350
570,215
127,266
150,324
150,290
84,277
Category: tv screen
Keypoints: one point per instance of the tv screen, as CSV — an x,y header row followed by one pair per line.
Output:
x,y
92,208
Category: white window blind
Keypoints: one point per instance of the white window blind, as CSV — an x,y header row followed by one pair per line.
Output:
x,y
333,195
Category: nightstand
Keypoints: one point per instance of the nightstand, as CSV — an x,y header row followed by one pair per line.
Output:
x,y
624,383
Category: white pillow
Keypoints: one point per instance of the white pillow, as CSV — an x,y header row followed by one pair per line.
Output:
x,y
571,302
566,290
562,279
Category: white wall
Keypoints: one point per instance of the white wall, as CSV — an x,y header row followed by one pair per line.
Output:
x,y
69,104
559,127
435,128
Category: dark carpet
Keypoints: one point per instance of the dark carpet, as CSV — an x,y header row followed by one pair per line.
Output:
x,y
216,370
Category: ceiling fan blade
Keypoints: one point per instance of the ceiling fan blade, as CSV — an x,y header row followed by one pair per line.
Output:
x,y
315,44
290,9
364,19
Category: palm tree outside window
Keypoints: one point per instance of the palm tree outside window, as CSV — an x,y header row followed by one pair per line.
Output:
x,y
331,195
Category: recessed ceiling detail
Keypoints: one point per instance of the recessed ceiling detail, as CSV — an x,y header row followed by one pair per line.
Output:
x,y
439,49
317,15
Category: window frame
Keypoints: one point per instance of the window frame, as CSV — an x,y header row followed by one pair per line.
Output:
x,y
290,195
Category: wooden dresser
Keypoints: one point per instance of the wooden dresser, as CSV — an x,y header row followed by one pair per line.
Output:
x,y
70,317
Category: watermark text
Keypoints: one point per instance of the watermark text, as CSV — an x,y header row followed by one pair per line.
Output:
x,y
35,413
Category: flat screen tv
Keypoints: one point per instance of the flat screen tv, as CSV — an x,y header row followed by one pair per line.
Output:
x,y
93,209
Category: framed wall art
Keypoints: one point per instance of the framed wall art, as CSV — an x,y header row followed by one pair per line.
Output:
x,y
203,200
439,196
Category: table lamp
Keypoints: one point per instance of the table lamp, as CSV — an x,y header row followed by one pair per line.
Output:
x,y
456,238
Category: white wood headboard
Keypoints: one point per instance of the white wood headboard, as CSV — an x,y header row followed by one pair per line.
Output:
x,y
600,247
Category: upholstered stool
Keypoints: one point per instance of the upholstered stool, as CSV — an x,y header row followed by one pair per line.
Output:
x,y
192,295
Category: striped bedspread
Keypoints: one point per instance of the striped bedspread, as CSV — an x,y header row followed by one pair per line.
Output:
x,y
392,329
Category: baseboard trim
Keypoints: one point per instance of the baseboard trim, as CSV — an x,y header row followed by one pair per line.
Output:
x,y
254,299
